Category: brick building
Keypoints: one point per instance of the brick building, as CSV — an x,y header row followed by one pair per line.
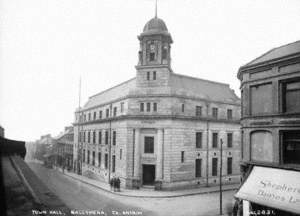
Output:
x,y
270,89
159,127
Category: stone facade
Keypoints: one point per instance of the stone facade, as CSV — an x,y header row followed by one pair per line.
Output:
x,y
144,130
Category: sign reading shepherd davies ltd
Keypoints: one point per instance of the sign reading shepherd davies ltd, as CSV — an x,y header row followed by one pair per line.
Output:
x,y
272,187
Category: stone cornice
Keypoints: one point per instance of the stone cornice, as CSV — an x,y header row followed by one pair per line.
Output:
x,y
158,95
280,115
157,117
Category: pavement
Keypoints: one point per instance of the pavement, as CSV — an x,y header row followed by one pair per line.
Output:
x,y
149,192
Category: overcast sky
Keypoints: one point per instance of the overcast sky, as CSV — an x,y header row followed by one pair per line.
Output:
x,y
45,45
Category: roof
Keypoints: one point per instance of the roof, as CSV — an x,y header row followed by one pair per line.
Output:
x,y
111,94
205,89
180,85
278,52
155,24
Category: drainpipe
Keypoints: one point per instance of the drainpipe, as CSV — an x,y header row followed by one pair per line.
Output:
x,y
207,144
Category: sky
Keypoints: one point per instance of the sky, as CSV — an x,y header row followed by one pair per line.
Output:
x,y
47,45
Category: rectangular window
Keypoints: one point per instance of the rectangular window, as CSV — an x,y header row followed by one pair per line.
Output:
x,y
182,107
198,167
261,99
229,114
107,113
94,115
142,107
148,106
89,116
120,154
89,137
94,137
83,157
115,111
122,107
155,107
229,166
106,161
215,112
88,157
149,144
100,137
93,162
113,163
84,140
99,159
291,147
100,114
214,166
154,75
148,75
198,110
215,140
229,140
106,137
291,91
198,139
182,156
114,137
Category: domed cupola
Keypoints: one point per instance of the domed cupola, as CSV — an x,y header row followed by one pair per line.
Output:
x,y
155,43
155,26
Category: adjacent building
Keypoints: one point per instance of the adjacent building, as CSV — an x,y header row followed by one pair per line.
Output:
x,y
63,148
270,89
1,131
159,127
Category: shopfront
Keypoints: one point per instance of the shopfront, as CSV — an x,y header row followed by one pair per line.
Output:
x,y
270,191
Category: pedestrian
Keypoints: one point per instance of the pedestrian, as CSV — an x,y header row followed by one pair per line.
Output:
x,y
111,183
114,184
118,184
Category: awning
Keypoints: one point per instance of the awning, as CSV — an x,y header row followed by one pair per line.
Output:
x,y
276,188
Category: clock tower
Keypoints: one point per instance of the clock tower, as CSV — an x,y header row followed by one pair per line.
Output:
x,y
154,64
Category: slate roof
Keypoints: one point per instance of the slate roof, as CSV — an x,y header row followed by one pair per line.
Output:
x,y
278,52
180,85
111,94
205,89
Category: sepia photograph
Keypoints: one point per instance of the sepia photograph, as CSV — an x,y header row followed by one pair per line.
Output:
x,y
150,107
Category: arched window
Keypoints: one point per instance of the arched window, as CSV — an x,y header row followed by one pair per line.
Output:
x,y
261,146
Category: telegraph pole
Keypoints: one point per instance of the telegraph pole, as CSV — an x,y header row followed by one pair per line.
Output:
x,y
221,156
79,149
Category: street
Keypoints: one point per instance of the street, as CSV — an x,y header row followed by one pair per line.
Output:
x,y
80,196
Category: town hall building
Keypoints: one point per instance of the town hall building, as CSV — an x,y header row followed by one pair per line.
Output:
x,y
159,128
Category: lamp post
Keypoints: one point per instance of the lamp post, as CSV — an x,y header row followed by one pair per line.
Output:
x,y
221,156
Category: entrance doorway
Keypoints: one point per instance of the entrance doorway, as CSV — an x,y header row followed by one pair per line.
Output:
x,y
148,174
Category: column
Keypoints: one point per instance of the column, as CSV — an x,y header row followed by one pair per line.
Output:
x,y
159,154
136,173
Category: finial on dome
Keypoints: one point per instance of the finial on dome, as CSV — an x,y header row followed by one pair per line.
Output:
x,y
155,8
